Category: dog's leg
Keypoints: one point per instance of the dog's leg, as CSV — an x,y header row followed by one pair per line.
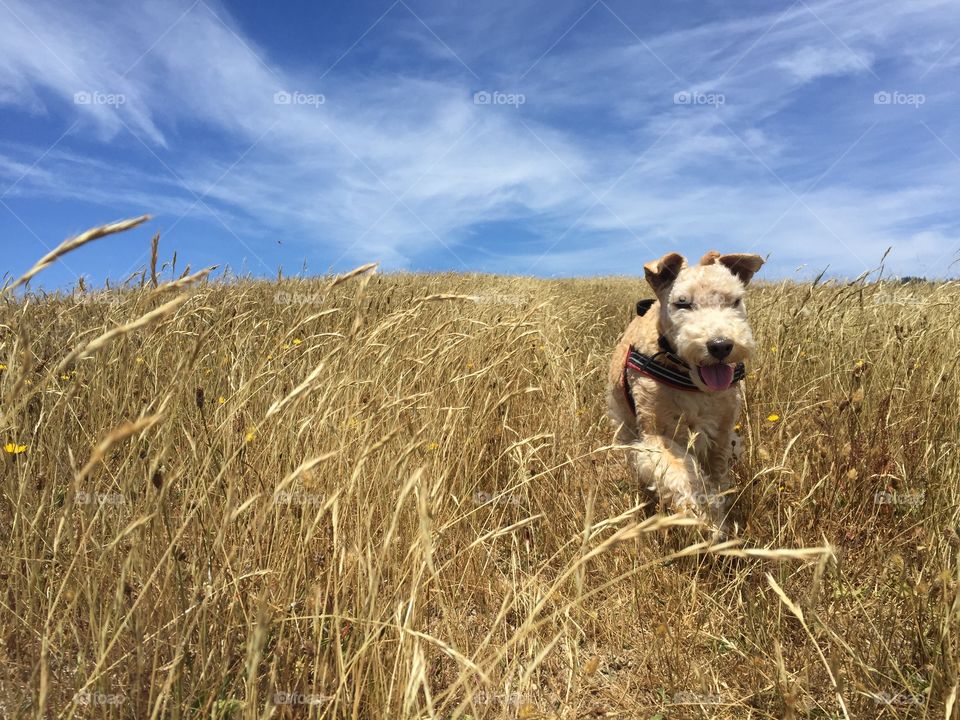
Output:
x,y
736,445
665,468
621,416
728,445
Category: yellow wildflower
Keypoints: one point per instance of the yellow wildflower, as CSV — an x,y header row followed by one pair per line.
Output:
x,y
14,448
221,400
297,341
433,446
3,366
527,711
773,417
249,437
139,360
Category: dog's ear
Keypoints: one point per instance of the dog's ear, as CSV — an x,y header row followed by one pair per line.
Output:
x,y
741,265
710,258
664,271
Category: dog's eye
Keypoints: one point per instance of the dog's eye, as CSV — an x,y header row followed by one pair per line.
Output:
x,y
737,303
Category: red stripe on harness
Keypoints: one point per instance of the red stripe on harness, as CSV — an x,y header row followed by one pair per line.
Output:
x,y
629,364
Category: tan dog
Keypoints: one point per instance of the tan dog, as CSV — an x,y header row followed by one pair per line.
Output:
x,y
673,392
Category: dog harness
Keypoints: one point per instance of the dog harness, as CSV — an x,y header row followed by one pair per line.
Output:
x,y
648,366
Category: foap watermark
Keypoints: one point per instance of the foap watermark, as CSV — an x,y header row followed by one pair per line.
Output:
x,y
288,298
298,698
103,297
895,97
498,299
495,97
899,699
95,498
715,500
483,498
885,298
97,698
96,97
696,97
297,495
685,697
911,499
284,97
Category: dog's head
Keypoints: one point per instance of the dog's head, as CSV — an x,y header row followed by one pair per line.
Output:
x,y
703,313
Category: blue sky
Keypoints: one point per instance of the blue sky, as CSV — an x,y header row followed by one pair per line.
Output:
x,y
554,139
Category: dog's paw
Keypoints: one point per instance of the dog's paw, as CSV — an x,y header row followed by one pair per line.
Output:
x,y
737,442
729,529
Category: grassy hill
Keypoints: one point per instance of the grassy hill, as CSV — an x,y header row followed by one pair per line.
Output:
x,y
397,496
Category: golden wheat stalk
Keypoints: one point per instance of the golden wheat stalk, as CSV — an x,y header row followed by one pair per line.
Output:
x,y
436,297
798,613
73,243
304,467
118,434
154,245
353,273
93,346
813,553
106,338
183,282
297,391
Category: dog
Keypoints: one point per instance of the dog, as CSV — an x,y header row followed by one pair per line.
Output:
x,y
673,392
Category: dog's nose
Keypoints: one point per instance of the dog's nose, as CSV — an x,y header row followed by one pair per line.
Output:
x,y
719,347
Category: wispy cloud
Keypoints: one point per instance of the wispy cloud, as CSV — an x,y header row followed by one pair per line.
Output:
x,y
738,131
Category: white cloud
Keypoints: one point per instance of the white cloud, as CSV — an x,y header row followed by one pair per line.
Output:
x,y
811,63
394,165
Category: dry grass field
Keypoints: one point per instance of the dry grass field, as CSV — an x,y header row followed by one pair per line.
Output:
x,y
396,496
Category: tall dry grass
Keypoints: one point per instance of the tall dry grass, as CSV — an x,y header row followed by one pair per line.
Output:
x,y
396,496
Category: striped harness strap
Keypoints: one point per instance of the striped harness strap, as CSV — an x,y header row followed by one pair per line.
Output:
x,y
648,366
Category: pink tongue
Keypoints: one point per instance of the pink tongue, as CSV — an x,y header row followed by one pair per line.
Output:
x,y
717,377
